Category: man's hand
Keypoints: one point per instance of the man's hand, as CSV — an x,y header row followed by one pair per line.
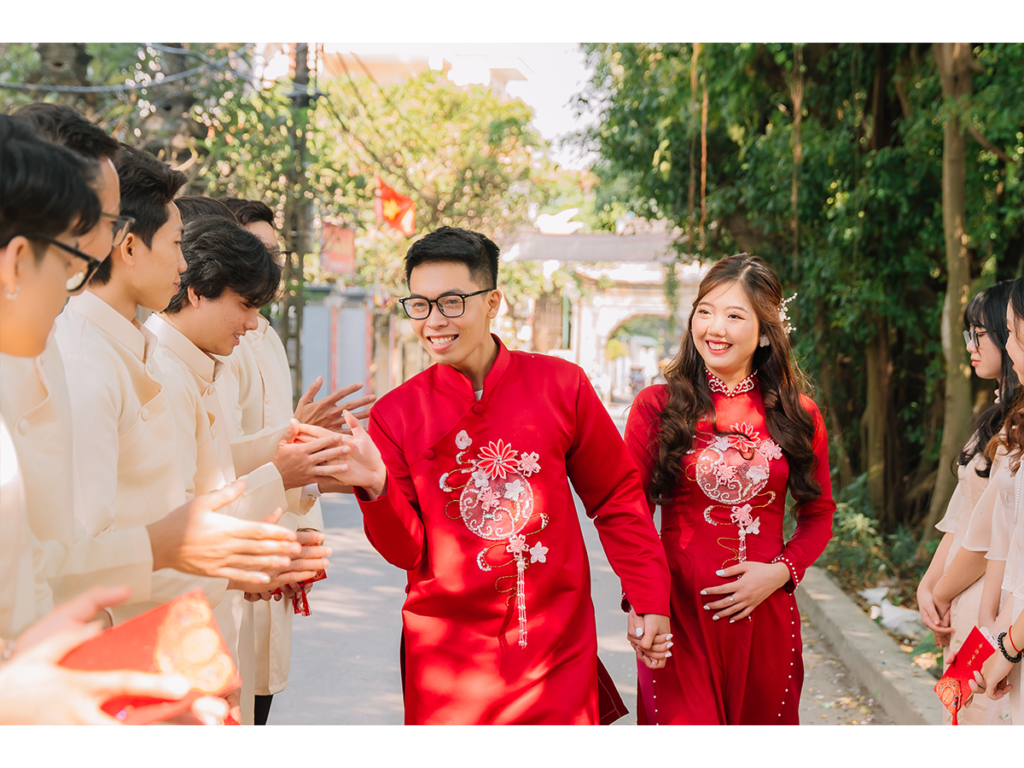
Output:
x,y
302,462
755,583
327,413
196,539
312,558
38,691
362,465
651,638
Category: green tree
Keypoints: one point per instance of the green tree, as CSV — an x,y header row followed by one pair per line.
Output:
x,y
827,161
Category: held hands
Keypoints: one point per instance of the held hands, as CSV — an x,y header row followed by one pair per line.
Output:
x,y
326,413
740,597
35,690
196,539
650,636
301,460
937,622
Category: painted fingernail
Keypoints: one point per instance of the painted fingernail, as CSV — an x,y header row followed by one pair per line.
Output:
x,y
668,637
639,631
707,607
670,645
715,617
703,591
667,654
732,621
719,573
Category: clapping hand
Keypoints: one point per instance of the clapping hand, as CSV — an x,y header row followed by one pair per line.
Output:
x,y
327,413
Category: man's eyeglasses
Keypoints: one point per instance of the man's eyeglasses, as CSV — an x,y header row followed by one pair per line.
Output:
x,y
449,305
80,271
121,227
973,335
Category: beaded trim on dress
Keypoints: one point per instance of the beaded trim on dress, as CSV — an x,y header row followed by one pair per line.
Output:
x,y
715,384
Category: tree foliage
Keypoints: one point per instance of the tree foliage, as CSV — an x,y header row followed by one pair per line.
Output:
x,y
868,262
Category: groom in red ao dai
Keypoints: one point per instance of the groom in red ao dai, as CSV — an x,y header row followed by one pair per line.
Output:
x,y
498,625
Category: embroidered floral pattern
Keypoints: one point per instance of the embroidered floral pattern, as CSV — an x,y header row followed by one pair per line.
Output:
x,y
538,553
498,459
496,504
724,472
489,499
528,464
741,515
715,384
513,489
733,469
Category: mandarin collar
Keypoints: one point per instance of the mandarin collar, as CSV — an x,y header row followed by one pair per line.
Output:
x,y
136,338
715,384
201,364
461,383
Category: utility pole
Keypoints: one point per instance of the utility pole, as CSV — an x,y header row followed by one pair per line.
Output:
x,y
298,220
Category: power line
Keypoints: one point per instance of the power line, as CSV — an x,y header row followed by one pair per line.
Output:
x,y
218,66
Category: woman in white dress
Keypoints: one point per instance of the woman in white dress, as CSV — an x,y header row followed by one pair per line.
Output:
x,y
1001,674
950,591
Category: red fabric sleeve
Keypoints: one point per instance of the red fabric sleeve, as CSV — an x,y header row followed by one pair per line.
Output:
x,y
604,476
814,518
642,440
392,521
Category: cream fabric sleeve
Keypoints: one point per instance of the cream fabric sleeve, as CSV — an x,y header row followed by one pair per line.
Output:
x,y
95,409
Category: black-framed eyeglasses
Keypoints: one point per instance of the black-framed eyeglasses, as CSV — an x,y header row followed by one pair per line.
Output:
x,y
78,274
973,335
282,253
121,227
448,304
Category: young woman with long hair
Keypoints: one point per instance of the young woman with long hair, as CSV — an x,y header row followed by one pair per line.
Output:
x,y
949,595
718,446
1002,602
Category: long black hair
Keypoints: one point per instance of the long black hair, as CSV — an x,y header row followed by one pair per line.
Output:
x,y
987,311
689,397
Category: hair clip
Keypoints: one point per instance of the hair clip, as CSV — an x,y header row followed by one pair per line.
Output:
x,y
787,327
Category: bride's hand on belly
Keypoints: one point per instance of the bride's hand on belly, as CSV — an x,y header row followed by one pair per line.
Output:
x,y
754,582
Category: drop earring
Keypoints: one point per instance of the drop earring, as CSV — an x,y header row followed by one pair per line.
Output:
x,y
12,295
763,342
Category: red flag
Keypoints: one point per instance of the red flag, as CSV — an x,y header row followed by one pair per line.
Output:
x,y
397,210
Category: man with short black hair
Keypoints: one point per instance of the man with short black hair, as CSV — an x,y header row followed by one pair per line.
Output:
x,y
259,378
463,481
230,276
191,538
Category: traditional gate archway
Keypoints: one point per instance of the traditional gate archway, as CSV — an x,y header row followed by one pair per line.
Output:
x,y
623,277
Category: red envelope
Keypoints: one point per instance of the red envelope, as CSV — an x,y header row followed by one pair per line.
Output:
x,y
954,686
300,603
179,637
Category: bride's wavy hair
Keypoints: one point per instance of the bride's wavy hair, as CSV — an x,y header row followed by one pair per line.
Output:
x,y
1014,424
689,397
